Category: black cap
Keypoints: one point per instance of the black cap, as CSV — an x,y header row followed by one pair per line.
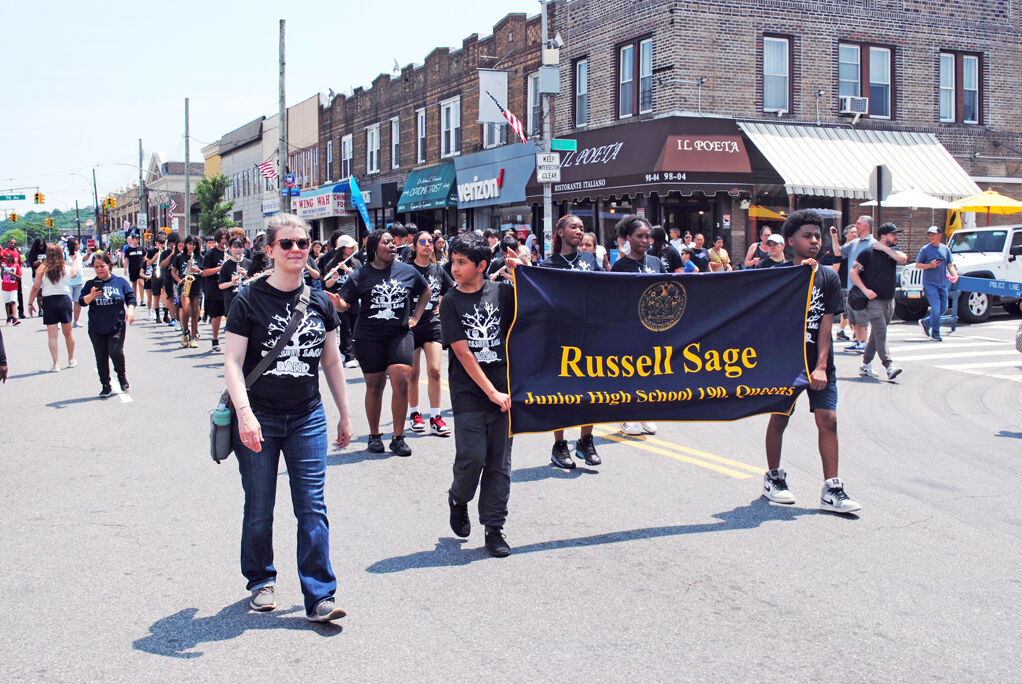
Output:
x,y
889,228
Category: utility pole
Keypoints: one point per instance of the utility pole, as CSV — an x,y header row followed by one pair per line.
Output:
x,y
78,220
548,230
95,199
143,209
285,202
188,179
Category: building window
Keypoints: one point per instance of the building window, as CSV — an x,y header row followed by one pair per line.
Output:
x,y
420,118
880,82
947,87
635,78
646,76
395,143
868,70
776,74
534,105
970,88
329,160
959,87
450,127
315,165
582,92
373,149
347,154
494,134
848,71
626,72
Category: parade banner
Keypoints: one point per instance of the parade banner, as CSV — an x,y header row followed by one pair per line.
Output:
x,y
615,347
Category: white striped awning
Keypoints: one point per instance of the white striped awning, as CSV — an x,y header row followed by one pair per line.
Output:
x,y
837,162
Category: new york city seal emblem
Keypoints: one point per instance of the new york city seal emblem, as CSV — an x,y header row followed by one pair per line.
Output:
x,y
662,305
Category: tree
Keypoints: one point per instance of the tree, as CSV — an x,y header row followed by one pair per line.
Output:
x,y
17,233
213,211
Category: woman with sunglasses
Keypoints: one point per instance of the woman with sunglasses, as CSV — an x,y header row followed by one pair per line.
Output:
x,y
384,290
282,413
427,338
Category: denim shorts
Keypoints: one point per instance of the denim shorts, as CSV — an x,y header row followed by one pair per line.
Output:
x,y
825,399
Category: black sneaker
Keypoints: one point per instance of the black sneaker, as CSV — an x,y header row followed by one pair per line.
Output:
x,y
496,544
375,444
124,383
398,446
106,391
460,524
216,345
585,449
560,456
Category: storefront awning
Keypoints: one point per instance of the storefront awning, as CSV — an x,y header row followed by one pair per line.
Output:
x,y
430,188
837,162
496,176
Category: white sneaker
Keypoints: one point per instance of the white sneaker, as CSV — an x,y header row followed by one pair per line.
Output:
x,y
351,364
775,487
648,428
76,324
833,497
72,363
55,369
866,370
893,372
631,428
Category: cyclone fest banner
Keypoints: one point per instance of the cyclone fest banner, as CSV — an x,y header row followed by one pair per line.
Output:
x,y
615,347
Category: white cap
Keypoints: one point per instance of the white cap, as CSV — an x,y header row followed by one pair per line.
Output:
x,y
933,229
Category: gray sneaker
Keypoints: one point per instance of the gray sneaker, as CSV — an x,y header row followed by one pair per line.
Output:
x,y
263,599
833,497
325,611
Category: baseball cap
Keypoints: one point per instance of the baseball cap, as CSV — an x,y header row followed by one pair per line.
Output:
x,y
889,228
933,229
776,238
346,241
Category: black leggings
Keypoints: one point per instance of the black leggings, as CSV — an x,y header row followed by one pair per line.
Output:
x,y
108,348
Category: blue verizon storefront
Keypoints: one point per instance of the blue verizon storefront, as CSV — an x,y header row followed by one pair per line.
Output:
x,y
491,187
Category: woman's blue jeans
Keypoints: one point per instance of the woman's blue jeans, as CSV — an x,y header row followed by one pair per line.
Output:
x,y
303,440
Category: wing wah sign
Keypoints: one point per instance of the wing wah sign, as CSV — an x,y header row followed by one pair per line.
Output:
x,y
608,347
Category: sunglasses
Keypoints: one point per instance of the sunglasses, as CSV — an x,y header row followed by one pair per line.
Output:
x,y
425,242
288,243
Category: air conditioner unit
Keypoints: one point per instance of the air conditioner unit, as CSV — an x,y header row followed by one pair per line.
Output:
x,y
854,105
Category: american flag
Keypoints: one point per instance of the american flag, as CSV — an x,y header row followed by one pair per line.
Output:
x,y
516,124
268,169
173,206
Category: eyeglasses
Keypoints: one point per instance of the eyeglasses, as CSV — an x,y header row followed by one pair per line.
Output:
x,y
288,243
425,242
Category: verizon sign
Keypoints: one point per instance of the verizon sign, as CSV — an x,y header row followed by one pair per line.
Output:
x,y
477,190
319,206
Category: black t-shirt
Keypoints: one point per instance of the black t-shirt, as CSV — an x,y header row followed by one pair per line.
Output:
x,y
261,313
825,299
384,297
671,260
164,271
770,263
878,272
211,259
134,256
482,319
580,261
227,272
701,259
439,283
150,255
106,312
629,265
180,263
406,254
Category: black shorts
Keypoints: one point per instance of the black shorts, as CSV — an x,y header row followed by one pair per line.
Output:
x,y
56,309
430,332
376,354
168,287
134,275
155,284
214,304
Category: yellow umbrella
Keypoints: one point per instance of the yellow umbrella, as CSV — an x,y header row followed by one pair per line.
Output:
x,y
990,201
758,212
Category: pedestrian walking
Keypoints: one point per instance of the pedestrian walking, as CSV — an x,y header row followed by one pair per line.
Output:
x,y
803,231
282,413
10,289
74,258
212,262
841,253
18,259
234,270
874,274
186,272
938,269
111,301
337,266
53,285
851,251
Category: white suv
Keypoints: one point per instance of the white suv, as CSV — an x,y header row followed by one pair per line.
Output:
x,y
991,252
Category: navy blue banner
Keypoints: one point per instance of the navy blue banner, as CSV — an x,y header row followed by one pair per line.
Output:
x,y
614,347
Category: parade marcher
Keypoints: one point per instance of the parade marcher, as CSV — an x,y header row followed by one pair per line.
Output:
x,y
400,234
111,301
851,251
10,289
134,256
874,273
282,413
567,255
720,260
53,285
804,233
775,253
153,257
186,263
212,261
475,317
440,249
12,248
663,250
427,338
337,265
938,269
233,271
636,233
166,263
497,270
384,289
758,251
590,244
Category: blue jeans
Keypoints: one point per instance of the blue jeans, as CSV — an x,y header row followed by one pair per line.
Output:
x,y
936,295
303,439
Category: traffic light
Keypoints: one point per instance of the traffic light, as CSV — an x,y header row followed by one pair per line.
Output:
x,y
38,198
113,203
42,198
49,223
13,218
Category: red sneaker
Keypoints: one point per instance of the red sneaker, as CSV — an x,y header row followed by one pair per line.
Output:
x,y
418,424
438,427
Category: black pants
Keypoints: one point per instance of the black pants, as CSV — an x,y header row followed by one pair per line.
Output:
x,y
21,302
482,456
346,336
108,348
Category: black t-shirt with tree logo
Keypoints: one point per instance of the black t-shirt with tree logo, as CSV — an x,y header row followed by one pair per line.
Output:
x,y
384,297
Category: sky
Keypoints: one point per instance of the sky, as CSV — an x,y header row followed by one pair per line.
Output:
x,y
84,81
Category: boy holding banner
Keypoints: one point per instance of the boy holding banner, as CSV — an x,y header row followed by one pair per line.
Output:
x,y
803,231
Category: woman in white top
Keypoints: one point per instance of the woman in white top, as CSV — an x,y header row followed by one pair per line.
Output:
x,y
74,258
53,283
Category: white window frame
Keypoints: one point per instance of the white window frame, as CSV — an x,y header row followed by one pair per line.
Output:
x,y
626,79
582,92
395,142
347,156
875,50
858,70
646,73
947,89
965,116
450,127
533,105
494,135
772,77
373,148
420,139
329,161
315,165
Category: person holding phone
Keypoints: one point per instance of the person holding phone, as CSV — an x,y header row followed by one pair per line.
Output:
x,y
111,301
938,269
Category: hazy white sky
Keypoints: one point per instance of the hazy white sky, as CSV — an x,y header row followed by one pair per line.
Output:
x,y
84,81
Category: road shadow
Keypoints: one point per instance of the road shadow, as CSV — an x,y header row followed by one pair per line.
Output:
x,y
448,551
549,472
178,635
61,403
28,375
208,365
352,457
1011,435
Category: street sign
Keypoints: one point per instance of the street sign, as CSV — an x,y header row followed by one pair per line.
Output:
x,y
142,221
548,168
880,183
564,145
8,198
296,192
289,180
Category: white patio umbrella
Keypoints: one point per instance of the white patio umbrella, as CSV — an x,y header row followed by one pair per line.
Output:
x,y
912,199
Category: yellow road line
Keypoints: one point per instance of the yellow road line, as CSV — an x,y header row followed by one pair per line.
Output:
x,y
639,444
701,454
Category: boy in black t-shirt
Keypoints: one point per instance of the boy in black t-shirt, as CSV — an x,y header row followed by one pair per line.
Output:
x,y
475,318
803,231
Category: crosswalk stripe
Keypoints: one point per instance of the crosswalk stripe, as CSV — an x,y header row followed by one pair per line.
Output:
x,y
961,355
944,345
1010,378
992,364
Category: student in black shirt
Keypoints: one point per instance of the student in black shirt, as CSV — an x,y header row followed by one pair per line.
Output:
x,y
337,265
187,263
134,255
384,290
497,271
475,317
568,234
281,412
637,231
804,233
111,301
212,261
155,282
775,251
400,234
233,271
663,250
166,263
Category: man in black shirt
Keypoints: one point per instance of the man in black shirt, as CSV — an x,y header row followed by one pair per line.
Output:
x,y
212,261
874,273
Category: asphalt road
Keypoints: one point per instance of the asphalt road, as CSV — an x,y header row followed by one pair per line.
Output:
x,y
120,541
